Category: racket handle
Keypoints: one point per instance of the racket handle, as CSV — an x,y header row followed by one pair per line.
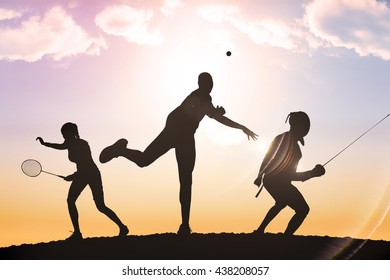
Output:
x,y
63,177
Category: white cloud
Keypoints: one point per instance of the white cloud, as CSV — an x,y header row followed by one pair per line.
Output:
x,y
260,31
8,14
361,25
218,13
130,23
169,7
222,37
55,34
354,24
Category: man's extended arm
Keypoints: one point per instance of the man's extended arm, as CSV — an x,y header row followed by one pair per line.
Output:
x,y
228,122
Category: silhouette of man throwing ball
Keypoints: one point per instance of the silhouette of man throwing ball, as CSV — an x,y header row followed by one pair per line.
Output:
x,y
279,168
180,127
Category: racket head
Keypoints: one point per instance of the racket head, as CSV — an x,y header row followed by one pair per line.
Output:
x,y
31,167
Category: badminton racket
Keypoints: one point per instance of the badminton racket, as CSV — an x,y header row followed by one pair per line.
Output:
x,y
33,168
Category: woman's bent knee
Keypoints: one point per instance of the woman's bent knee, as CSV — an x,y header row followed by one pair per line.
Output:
x,y
304,210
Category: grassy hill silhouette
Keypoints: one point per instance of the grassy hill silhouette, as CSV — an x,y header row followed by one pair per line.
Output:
x,y
223,246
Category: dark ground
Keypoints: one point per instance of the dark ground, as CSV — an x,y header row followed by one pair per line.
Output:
x,y
224,246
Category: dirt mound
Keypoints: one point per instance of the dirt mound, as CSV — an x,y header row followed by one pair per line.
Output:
x,y
224,246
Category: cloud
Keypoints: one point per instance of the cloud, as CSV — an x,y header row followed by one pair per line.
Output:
x,y
218,13
354,24
130,23
169,7
260,31
55,34
222,37
9,14
361,25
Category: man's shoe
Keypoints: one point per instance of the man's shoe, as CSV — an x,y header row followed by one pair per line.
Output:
x,y
184,230
113,151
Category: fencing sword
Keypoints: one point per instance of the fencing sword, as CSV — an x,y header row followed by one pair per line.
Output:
x,y
349,145
367,131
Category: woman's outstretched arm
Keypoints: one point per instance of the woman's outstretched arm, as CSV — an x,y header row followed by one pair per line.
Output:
x,y
56,146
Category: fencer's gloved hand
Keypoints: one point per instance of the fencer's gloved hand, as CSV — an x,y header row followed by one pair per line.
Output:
x,y
258,181
318,171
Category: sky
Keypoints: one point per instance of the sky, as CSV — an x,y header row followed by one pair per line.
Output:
x,y
118,68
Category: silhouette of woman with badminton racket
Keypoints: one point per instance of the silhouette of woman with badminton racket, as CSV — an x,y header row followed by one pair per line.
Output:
x,y
178,134
279,168
87,173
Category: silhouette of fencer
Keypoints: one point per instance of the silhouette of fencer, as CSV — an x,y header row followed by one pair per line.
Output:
x,y
279,168
178,133
87,173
